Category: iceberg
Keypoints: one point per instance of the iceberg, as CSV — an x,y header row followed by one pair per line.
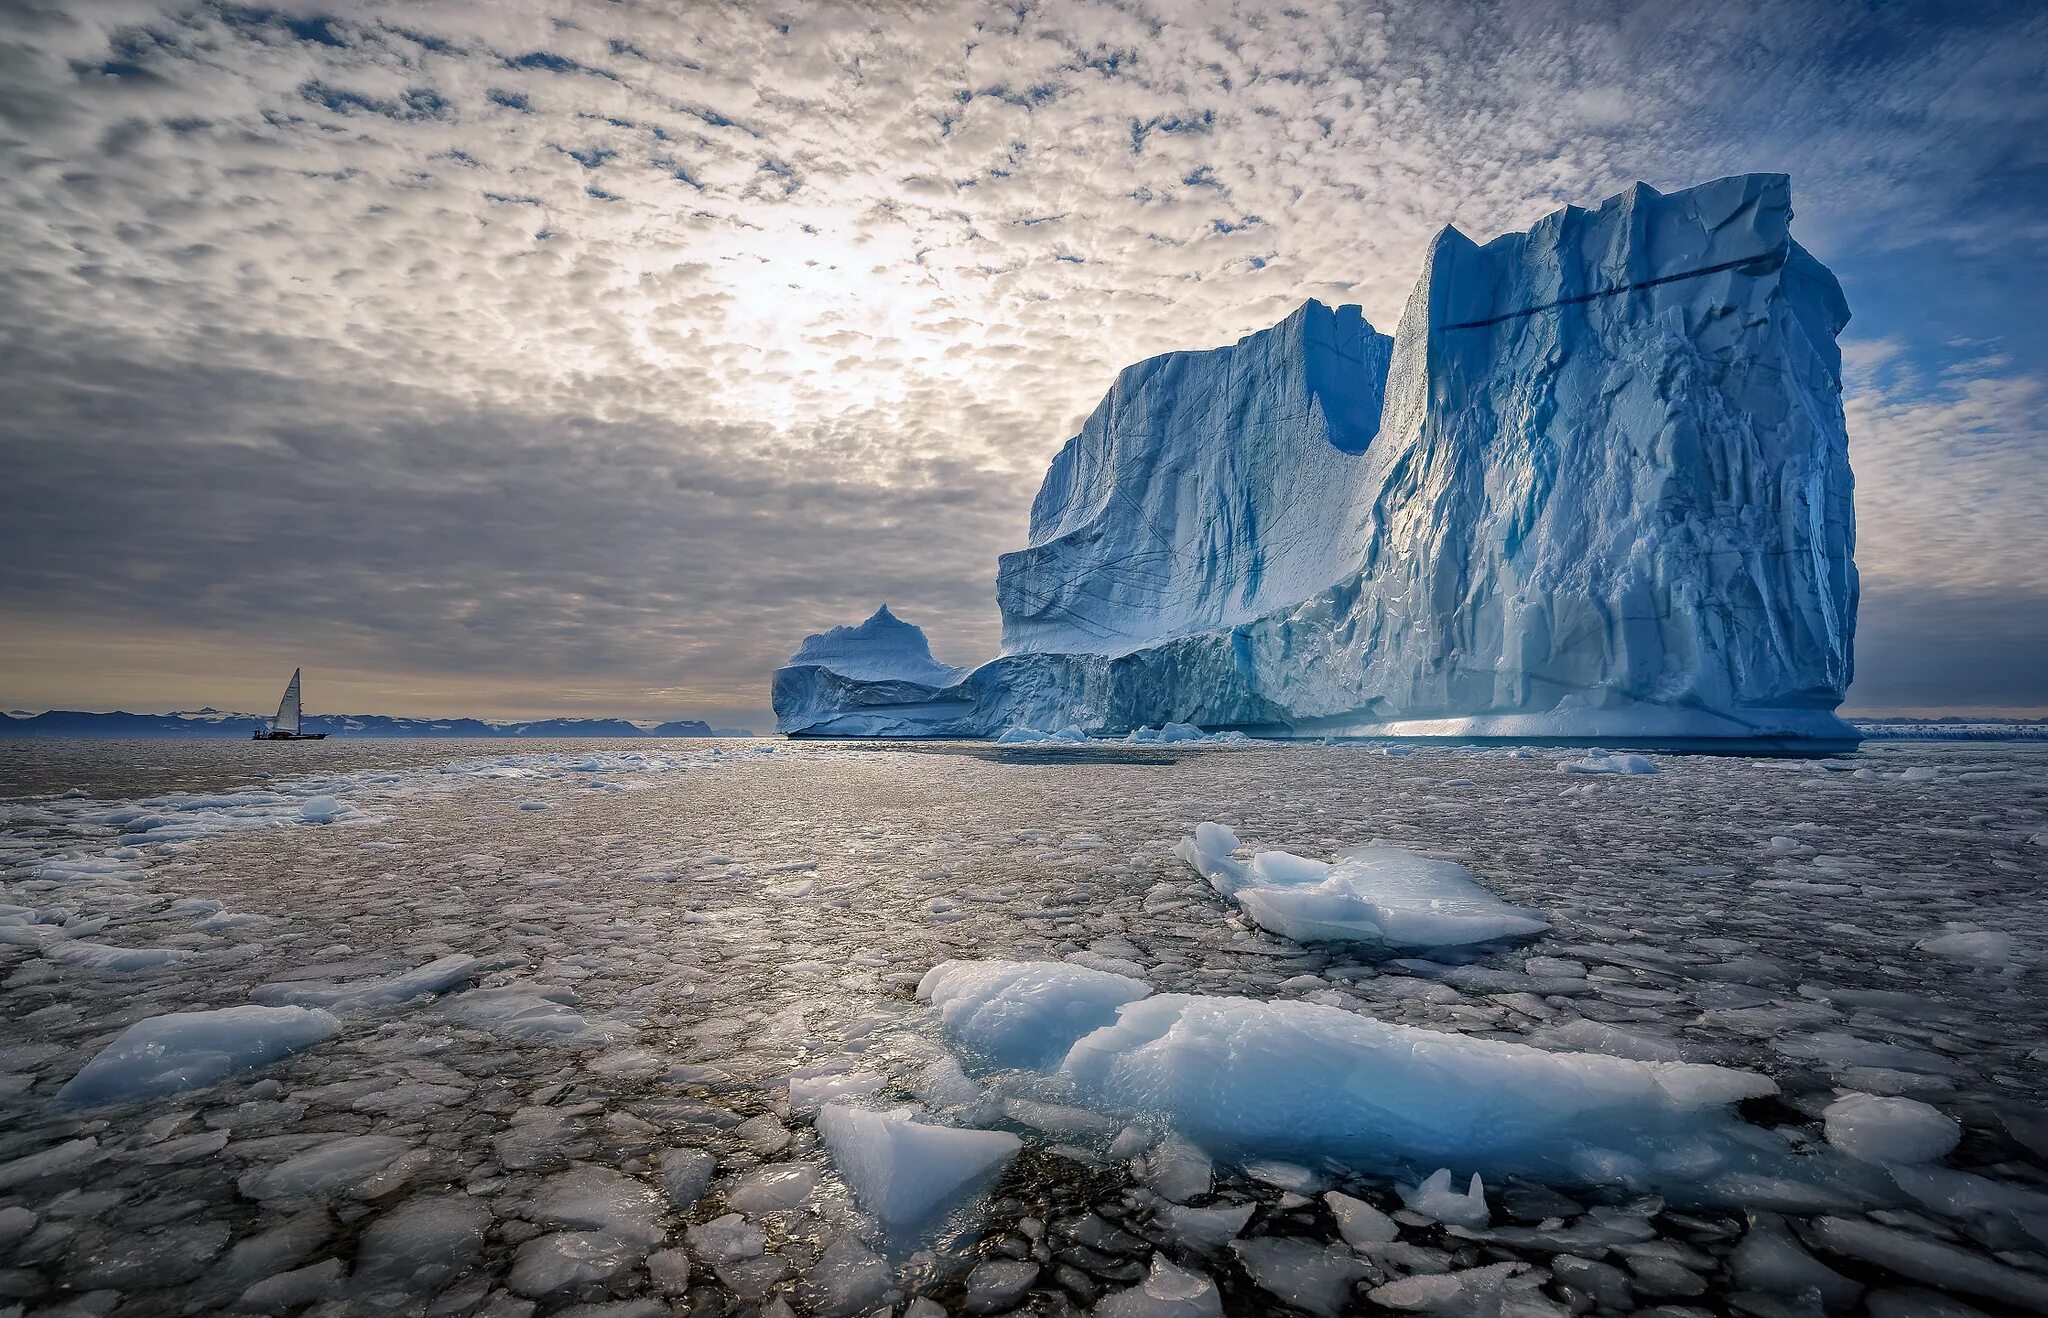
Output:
x,y
1595,487
875,680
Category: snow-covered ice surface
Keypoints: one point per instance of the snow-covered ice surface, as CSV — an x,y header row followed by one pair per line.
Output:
x,y
661,1049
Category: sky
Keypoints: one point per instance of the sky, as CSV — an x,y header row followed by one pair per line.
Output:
x,y
580,356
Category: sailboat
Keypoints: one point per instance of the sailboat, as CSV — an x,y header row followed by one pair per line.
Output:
x,y
285,727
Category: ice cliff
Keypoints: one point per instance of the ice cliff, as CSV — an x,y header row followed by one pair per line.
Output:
x,y
1597,485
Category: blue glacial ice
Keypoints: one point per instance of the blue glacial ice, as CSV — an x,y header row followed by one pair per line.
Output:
x,y
1595,486
1246,1079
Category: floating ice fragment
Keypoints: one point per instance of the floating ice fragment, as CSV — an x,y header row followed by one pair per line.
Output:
x,y
193,1049
1303,1273
686,1174
1983,947
1166,1292
1024,1013
104,959
1299,1079
600,1199
1879,1129
325,1169
437,976
1435,1198
1035,737
1371,894
528,1013
907,1173
1603,762
1359,1222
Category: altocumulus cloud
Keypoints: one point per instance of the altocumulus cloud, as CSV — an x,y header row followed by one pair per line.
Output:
x,y
584,355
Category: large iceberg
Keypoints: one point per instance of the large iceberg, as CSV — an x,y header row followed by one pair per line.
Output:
x,y
1596,486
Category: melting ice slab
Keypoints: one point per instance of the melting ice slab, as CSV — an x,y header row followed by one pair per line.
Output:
x,y
905,1172
1251,1079
192,1049
1372,894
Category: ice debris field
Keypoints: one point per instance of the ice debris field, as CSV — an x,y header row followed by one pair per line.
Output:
x,y
1148,1029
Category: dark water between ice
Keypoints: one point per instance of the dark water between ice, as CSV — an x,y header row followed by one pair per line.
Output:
x,y
696,921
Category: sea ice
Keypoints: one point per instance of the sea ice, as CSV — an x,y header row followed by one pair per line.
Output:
x,y
325,1169
1880,1129
1167,1292
1435,1198
1024,1013
1604,762
193,1049
437,976
1300,1079
1371,894
905,1172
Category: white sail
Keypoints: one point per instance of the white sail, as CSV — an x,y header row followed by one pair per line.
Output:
x,y
287,719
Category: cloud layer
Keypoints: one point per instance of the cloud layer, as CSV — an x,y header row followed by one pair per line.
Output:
x,y
589,354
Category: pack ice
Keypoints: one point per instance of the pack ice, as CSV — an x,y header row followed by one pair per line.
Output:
x,y
1595,486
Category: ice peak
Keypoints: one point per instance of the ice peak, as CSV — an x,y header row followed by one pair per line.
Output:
x,y
882,648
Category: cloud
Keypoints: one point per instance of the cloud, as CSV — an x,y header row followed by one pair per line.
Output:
x,y
621,344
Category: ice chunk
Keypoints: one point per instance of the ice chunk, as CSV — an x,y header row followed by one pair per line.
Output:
x,y
998,1283
600,1199
1771,1259
103,959
528,1013
1495,1289
425,1242
1435,1198
907,1173
1176,1169
437,976
1204,1230
1024,1013
550,1264
1371,894
1983,947
1297,1078
1603,762
772,1188
1359,1222
1315,1277
686,1174
1167,1292
193,1049
1936,1263
1879,1129
325,1169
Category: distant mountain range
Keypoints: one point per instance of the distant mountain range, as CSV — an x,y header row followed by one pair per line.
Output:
x,y
219,723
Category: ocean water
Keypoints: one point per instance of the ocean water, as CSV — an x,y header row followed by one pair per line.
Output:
x,y
661,934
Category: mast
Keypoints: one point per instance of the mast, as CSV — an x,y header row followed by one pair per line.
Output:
x,y
287,719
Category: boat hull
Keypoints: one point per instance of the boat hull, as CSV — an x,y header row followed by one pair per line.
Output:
x,y
287,736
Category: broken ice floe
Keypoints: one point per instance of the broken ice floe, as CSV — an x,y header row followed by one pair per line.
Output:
x,y
1251,1079
1375,894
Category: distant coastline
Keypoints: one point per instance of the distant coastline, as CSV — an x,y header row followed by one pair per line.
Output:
x,y
214,723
